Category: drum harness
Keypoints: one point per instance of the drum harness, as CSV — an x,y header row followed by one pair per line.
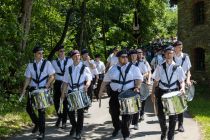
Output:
x,y
123,77
59,65
37,80
76,85
169,80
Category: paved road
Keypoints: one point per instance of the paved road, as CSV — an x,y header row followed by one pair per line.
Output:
x,y
98,126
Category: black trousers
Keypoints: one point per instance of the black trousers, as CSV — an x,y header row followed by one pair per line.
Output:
x,y
114,110
162,118
98,89
140,113
37,120
77,125
90,91
56,99
180,119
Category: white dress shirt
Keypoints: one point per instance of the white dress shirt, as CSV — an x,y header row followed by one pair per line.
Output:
x,y
114,74
85,76
58,70
186,65
47,71
159,74
100,67
157,60
94,71
112,59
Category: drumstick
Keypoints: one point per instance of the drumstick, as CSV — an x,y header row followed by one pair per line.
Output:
x,y
60,110
99,102
155,109
21,98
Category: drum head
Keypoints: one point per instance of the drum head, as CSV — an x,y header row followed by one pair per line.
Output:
x,y
171,94
144,91
127,94
190,92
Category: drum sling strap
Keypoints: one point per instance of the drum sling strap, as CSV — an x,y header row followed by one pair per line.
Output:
x,y
168,85
59,65
183,59
76,85
38,80
121,75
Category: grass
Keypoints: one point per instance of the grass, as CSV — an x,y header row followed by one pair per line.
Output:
x,y
199,108
13,116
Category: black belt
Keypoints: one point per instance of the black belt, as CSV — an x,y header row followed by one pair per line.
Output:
x,y
168,90
121,82
168,85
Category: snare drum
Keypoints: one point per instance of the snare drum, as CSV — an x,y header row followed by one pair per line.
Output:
x,y
144,91
78,99
174,103
129,102
190,92
41,98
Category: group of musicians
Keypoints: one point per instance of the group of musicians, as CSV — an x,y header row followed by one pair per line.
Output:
x,y
125,70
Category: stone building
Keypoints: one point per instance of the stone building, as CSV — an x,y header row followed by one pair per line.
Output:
x,y
194,32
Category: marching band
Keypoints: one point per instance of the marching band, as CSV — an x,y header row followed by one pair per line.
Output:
x,y
128,78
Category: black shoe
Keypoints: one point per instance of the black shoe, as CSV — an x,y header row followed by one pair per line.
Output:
x,y
35,129
72,132
115,133
181,128
40,136
63,126
141,118
78,136
57,124
163,137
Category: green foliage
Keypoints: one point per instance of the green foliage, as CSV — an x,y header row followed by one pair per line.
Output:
x,y
107,23
199,109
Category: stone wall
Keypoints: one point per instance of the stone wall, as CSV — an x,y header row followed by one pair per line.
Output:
x,y
195,36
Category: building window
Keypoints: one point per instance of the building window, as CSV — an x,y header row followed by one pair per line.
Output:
x,y
199,59
199,13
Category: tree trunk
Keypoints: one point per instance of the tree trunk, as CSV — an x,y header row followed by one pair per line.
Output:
x,y
82,26
65,29
25,21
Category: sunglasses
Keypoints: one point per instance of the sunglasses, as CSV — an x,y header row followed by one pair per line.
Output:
x,y
140,52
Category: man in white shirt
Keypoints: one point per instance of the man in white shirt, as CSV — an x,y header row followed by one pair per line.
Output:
x,y
112,59
166,77
91,65
101,70
183,60
121,77
59,65
39,74
79,78
157,59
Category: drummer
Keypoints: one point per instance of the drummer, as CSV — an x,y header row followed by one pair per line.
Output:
x,y
166,77
39,74
147,77
114,77
80,78
91,65
59,65
183,60
144,71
